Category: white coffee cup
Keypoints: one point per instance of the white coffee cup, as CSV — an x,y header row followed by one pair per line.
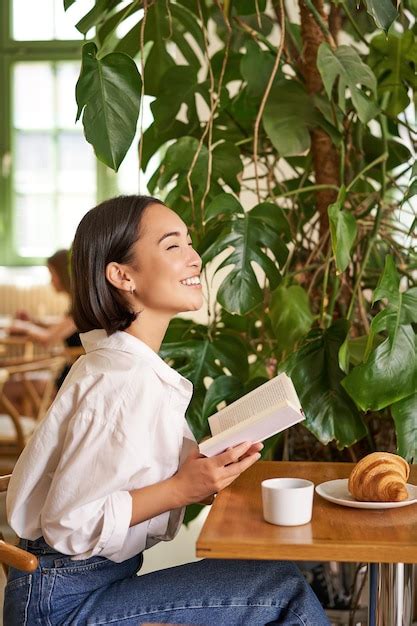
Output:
x,y
287,501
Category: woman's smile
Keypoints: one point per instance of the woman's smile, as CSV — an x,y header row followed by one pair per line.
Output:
x,y
192,281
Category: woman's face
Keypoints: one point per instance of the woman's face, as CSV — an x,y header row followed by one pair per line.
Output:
x,y
166,269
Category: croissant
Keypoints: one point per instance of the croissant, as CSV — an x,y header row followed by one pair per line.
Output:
x,y
379,477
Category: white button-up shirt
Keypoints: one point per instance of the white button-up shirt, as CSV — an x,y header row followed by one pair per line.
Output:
x,y
116,425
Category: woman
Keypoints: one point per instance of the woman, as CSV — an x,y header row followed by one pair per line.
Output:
x,y
64,330
109,470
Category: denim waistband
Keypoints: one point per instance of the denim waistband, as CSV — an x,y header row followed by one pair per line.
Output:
x,y
37,546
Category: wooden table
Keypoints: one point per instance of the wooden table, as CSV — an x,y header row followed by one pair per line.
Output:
x,y
385,539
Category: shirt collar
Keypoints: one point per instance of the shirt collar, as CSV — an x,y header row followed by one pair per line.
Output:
x,y
124,342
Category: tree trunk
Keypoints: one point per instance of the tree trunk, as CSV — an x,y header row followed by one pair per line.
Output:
x,y
325,157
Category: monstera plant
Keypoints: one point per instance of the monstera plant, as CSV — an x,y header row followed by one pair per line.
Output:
x,y
284,134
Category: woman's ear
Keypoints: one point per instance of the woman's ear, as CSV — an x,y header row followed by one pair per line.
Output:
x,y
117,276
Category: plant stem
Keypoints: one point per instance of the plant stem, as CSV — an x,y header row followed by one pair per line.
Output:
x,y
342,162
335,292
255,34
382,158
295,192
407,126
242,141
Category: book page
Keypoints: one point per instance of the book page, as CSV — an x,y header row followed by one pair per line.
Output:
x,y
271,394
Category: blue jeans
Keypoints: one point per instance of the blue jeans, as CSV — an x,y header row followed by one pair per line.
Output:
x,y
207,593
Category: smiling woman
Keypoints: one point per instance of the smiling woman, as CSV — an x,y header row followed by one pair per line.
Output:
x,y
138,270
111,467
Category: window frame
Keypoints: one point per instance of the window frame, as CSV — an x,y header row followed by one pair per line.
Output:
x,y
12,52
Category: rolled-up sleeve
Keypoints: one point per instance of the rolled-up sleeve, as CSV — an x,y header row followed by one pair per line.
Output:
x,y
89,508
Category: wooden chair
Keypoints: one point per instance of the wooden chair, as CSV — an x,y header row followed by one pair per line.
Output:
x,y
10,555
15,426
14,348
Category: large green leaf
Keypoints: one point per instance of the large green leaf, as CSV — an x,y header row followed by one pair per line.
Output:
x,y
200,357
389,374
288,118
404,413
401,307
382,12
176,165
179,87
290,315
191,512
107,30
156,136
227,164
256,67
108,97
130,43
248,234
314,369
343,232
276,217
249,7
178,160
345,64
158,61
232,69
221,205
388,284
184,25
394,61
96,15
204,357
404,312
373,147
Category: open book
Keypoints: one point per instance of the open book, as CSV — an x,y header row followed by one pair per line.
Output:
x,y
263,412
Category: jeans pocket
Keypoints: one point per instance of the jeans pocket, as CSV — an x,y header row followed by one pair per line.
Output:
x,y
16,601
69,566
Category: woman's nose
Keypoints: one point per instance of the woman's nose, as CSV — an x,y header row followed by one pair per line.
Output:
x,y
195,259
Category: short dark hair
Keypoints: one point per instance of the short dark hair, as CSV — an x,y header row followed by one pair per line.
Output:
x,y
59,261
105,234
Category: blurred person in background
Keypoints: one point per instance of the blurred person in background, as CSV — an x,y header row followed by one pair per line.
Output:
x,y
63,331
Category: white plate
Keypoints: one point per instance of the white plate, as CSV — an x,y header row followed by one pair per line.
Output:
x,y
337,491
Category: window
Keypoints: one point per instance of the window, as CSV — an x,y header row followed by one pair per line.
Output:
x,y
49,174
54,172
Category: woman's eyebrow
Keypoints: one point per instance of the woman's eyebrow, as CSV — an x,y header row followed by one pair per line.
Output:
x,y
174,233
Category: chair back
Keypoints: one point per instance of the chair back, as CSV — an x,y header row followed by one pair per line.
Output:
x,y
38,400
10,555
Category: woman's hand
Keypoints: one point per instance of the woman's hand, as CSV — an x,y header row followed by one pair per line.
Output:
x,y
196,480
200,477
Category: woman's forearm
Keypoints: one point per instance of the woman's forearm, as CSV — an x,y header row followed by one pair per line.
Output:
x,y
153,500
55,333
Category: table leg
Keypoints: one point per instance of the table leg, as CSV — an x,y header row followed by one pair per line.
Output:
x,y
390,594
